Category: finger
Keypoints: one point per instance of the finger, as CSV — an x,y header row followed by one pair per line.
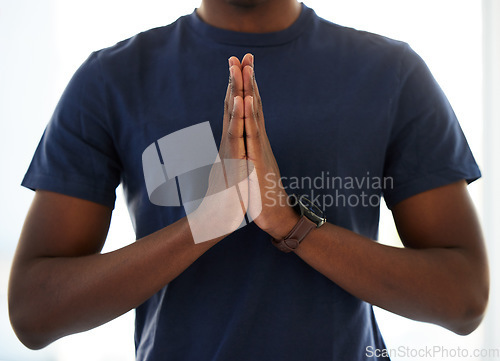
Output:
x,y
235,163
234,88
252,130
247,66
235,85
248,84
257,99
234,61
248,59
251,89
228,99
236,128
236,80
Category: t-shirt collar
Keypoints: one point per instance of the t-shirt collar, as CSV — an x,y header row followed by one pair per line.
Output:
x,y
229,37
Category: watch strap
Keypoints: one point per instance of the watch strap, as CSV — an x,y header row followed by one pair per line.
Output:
x,y
296,235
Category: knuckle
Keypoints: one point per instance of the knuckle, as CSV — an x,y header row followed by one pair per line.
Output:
x,y
232,135
254,135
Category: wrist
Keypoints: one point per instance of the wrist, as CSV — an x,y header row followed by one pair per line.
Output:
x,y
310,217
288,219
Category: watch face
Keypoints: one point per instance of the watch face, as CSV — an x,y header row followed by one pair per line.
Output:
x,y
310,210
310,206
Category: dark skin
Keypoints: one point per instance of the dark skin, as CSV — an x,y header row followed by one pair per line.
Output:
x,y
250,16
61,284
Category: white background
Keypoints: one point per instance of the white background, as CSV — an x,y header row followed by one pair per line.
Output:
x,y
42,42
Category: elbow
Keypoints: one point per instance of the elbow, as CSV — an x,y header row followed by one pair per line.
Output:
x,y
466,325
28,324
30,335
470,311
31,340
467,308
29,315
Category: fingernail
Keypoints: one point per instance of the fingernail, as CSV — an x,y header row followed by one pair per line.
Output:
x,y
252,60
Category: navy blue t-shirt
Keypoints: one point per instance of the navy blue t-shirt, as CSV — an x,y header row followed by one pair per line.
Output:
x,y
351,117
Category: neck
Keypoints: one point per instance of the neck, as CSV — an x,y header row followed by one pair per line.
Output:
x,y
250,16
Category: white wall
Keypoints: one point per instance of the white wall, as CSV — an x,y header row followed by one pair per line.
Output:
x,y
42,42
491,101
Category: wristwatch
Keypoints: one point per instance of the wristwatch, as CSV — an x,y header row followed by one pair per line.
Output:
x,y
310,217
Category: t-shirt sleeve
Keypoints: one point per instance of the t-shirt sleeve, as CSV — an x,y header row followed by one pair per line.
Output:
x,y
76,155
427,148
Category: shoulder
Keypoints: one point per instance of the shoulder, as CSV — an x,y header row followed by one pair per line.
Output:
x,y
140,49
351,38
362,50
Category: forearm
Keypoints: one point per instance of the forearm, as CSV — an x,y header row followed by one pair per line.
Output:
x,y
63,295
434,284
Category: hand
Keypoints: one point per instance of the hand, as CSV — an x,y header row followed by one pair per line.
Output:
x,y
245,178
268,202
223,208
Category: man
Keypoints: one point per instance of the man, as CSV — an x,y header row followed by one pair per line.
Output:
x,y
358,112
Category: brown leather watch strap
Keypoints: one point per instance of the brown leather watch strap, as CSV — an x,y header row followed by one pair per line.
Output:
x,y
296,235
